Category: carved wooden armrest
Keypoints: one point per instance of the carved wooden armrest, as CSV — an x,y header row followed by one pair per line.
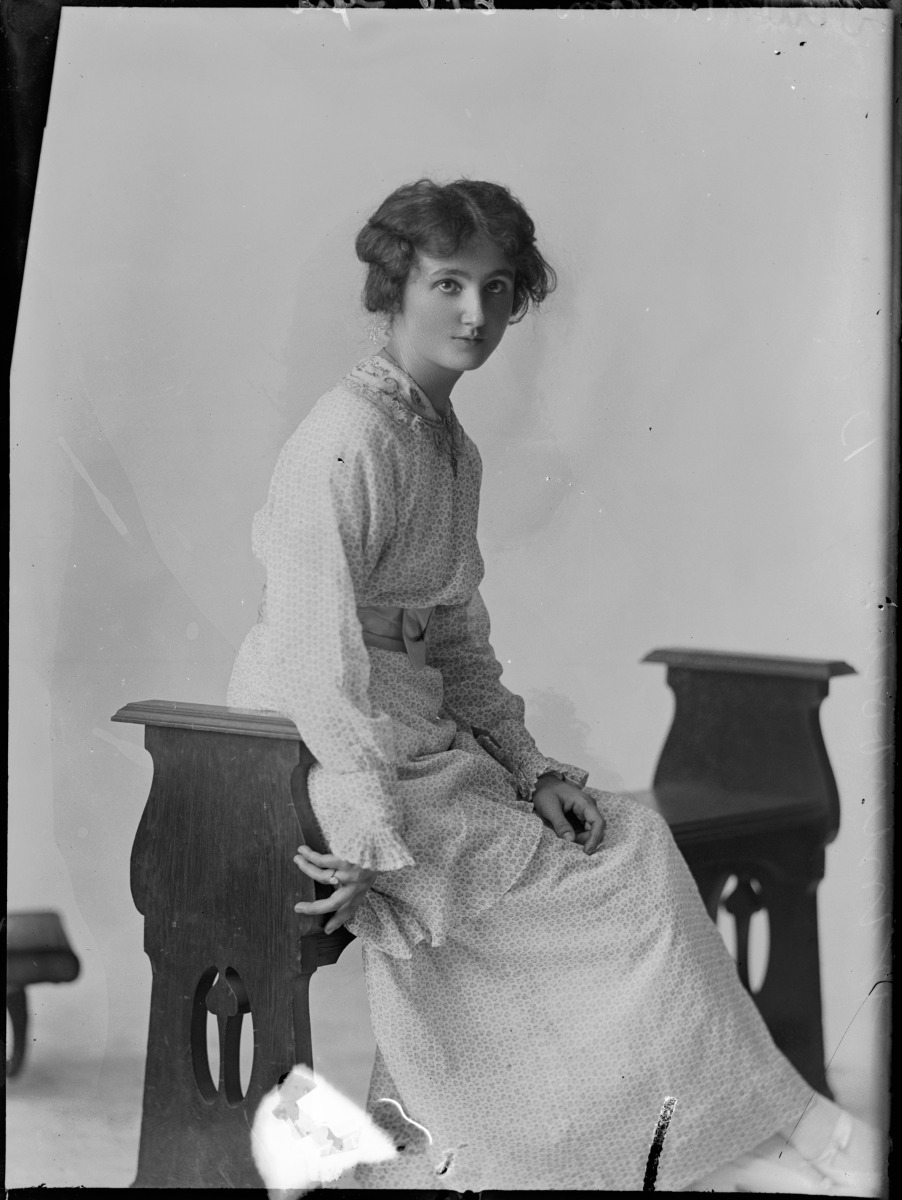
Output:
x,y
746,786
239,768
213,876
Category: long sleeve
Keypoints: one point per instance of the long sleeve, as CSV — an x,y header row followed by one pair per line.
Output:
x,y
458,644
329,513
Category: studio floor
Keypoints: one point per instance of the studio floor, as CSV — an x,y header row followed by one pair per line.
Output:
x,y
73,1120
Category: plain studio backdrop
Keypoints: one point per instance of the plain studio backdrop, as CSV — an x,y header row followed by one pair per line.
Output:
x,y
688,446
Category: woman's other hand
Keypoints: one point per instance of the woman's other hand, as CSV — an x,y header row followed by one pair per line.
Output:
x,y
351,885
562,805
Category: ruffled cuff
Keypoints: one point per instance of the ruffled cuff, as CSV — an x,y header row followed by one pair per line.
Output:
x,y
359,815
535,765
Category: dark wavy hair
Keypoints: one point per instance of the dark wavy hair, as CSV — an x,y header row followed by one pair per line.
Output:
x,y
439,219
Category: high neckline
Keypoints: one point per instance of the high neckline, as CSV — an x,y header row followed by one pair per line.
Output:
x,y
381,377
412,392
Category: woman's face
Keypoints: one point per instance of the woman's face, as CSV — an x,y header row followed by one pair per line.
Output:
x,y
454,312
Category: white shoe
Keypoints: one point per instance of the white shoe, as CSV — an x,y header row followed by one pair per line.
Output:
x,y
849,1178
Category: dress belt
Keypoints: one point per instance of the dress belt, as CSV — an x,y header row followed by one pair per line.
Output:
x,y
390,627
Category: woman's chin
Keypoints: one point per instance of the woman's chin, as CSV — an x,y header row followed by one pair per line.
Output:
x,y
472,355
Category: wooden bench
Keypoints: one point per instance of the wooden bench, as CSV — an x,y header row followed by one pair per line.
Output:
x,y
746,786
744,781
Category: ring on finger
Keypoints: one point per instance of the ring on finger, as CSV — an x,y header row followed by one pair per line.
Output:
x,y
334,880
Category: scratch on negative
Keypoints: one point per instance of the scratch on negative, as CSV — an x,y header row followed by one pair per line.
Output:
x,y
106,508
859,450
651,1167
448,1160
389,1100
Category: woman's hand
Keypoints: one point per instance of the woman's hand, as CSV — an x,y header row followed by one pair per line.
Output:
x,y
555,798
351,885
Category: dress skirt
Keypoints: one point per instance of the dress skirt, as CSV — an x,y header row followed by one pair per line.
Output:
x,y
537,1046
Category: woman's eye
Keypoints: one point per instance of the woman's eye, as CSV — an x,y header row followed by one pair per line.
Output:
x,y
498,287
448,285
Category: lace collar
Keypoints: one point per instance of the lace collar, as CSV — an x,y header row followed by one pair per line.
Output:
x,y
407,403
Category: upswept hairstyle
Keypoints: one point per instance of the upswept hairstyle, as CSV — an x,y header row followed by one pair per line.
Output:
x,y
438,219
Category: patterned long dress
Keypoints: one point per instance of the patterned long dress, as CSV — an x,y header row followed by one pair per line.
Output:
x,y
534,1007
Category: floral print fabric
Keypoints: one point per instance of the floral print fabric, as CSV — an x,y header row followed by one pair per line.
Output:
x,y
539,1044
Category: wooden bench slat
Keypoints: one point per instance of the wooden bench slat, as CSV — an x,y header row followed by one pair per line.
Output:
x,y
708,814
210,718
730,662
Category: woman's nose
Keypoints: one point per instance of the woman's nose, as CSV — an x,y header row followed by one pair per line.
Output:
x,y
473,312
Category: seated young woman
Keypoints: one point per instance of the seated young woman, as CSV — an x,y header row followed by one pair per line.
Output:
x,y
542,975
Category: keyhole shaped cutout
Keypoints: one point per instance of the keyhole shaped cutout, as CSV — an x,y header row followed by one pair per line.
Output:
x,y
221,1038
744,924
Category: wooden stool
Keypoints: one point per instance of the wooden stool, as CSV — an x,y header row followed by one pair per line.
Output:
x,y
37,951
743,780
